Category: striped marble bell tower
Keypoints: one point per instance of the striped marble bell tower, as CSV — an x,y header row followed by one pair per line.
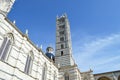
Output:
x,y
63,54
68,70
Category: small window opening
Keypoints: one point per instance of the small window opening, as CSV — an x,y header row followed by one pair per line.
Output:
x,y
62,39
61,33
62,27
61,53
62,46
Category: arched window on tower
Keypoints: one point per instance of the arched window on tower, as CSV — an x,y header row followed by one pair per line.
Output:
x,y
6,46
62,53
29,63
61,33
62,39
62,46
44,72
66,76
61,27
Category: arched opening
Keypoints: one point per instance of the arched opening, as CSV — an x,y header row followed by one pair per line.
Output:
x,y
62,39
66,76
62,53
62,46
104,78
29,63
119,77
44,72
6,46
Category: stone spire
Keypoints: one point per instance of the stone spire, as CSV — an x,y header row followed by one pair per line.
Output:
x,y
6,6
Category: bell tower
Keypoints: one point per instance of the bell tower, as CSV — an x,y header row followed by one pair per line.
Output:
x,y
5,6
63,54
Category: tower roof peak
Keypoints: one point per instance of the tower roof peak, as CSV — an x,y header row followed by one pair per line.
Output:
x,y
62,16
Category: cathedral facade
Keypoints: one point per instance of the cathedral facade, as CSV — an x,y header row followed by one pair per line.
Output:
x,y
20,59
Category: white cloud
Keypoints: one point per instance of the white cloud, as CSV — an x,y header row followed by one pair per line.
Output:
x,y
103,62
98,52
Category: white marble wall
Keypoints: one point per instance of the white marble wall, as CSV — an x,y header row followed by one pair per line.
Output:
x,y
13,67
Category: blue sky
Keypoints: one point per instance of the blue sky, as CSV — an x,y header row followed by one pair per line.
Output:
x,y
95,28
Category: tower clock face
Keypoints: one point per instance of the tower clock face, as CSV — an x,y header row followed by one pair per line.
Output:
x,y
5,5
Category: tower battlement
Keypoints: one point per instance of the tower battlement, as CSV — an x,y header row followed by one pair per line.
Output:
x,y
63,16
